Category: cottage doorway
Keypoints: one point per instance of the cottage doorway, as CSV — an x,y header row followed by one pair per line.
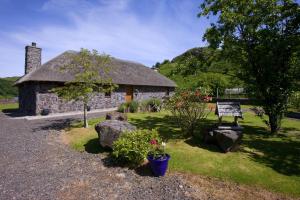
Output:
x,y
129,93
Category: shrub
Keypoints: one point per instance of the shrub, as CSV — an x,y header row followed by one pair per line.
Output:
x,y
151,105
294,101
188,108
129,107
144,106
132,148
133,106
123,107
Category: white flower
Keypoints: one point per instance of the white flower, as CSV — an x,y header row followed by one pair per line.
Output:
x,y
163,144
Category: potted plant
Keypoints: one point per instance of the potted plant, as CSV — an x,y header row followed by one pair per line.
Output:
x,y
157,158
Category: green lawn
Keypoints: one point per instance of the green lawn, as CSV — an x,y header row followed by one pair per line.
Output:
x,y
271,162
8,106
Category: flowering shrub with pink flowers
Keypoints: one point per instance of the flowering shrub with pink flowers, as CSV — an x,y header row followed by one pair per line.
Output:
x,y
189,107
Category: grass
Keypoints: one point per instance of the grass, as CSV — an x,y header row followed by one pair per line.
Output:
x,y
266,161
83,139
8,106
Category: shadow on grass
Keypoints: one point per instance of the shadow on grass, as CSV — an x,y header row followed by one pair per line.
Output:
x,y
199,143
278,152
166,126
289,129
93,146
203,127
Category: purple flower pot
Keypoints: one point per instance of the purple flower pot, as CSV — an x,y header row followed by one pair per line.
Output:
x,y
159,166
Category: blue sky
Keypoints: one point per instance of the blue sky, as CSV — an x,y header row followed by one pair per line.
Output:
x,y
145,31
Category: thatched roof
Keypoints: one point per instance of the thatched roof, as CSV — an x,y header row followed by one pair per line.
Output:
x,y
122,72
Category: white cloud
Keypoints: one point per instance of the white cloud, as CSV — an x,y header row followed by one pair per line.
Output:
x,y
111,27
65,4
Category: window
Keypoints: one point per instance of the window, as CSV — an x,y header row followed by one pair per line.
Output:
x,y
107,94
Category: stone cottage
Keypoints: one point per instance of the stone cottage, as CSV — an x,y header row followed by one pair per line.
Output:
x,y
135,82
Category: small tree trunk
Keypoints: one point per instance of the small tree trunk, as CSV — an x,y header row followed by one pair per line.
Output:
x,y
86,125
274,125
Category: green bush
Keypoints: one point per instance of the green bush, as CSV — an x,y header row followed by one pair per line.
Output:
x,y
123,107
132,148
151,105
294,101
143,106
129,107
133,106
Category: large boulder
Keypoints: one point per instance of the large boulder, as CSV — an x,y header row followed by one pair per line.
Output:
x,y
110,130
228,140
116,116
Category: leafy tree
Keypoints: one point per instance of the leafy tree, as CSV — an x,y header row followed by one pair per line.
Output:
x,y
195,68
90,70
214,82
262,37
7,89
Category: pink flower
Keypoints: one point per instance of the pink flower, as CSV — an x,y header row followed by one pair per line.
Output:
x,y
153,142
207,98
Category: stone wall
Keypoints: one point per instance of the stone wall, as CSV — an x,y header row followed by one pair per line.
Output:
x,y
27,98
36,97
48,100
146,92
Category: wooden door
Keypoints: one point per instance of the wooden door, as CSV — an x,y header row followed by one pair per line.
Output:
x,y
129,93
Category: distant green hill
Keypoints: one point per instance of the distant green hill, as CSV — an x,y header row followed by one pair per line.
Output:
x,y
201,67
6,87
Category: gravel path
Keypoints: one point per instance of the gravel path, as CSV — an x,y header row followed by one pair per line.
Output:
x,y
34,164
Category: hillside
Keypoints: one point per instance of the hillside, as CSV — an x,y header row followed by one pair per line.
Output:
x,y
6,87
201,67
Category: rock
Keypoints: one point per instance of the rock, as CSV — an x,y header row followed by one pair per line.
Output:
x,y
45,112
110,130
209,137
230,127
116,116
228,140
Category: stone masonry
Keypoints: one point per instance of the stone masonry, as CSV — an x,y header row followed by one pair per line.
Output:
x,y
32,58
38,97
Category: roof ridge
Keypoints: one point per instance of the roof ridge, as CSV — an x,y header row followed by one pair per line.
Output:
x,y
129,61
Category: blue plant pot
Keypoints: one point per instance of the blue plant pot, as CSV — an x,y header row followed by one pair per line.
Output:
x,y
159,166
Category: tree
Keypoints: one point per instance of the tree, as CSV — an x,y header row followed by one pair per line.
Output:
x,y
263,37
90,71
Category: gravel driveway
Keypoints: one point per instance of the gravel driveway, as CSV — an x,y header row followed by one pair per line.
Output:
x,y
34,164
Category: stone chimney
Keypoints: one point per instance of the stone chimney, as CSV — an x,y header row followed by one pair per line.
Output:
x,y
32,58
